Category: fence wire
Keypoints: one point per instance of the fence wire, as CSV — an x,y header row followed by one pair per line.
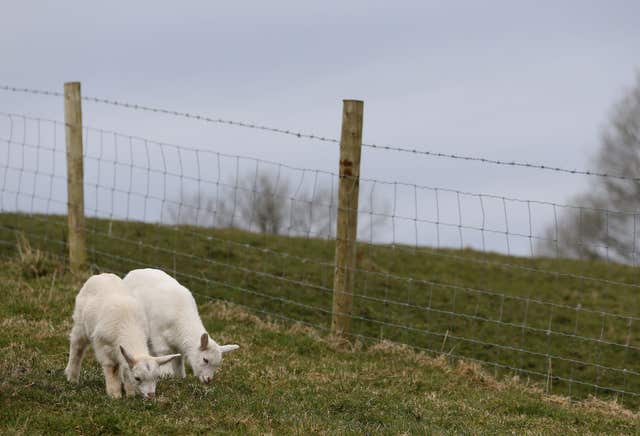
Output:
x,y
303,135
261,234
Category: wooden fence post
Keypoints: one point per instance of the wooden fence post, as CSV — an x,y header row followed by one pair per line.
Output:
x,y
75,176
347,226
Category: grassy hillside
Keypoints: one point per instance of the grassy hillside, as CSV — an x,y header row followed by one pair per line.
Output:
x,y
488,307
284,379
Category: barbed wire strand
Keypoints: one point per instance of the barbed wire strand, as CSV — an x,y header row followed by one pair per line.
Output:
x,y
298,134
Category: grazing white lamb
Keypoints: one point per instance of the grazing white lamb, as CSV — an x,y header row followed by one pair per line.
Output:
x,y
113,321
175,324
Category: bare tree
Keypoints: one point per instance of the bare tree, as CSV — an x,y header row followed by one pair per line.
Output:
x,y
264,205
606,223
269,204
245,204
199,210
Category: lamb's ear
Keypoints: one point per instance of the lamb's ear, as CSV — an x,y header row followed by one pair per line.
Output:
x,y
161,360
130,361
227,348
204,341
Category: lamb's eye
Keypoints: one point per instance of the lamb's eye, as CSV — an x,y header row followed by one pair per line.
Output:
x,y
205,360
138,379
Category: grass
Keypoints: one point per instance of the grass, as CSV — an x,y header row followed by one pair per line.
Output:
x,y
572,350
285,379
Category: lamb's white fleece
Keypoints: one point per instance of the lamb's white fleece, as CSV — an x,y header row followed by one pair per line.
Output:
x,y
174,322
109,318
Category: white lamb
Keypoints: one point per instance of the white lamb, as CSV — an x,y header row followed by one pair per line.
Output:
x,y
113,321
175,324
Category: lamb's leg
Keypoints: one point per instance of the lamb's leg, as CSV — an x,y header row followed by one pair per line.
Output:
x,y
129,389
178,367
159,347
78,345
112,381
167,370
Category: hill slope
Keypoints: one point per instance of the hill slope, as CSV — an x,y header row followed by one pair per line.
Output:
x,y
283,380
560,322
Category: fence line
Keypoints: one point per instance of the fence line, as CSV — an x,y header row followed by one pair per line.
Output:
x,y
195,149
547,321
164,172
438,222
394,217
302,135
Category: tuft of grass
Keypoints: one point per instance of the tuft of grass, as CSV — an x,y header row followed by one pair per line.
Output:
x,y
285,379
33,262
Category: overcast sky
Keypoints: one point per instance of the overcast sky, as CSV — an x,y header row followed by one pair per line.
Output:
x,y
530,81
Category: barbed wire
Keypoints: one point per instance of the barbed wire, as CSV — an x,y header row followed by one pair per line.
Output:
x,y
177,114
512,163
299,134
196,149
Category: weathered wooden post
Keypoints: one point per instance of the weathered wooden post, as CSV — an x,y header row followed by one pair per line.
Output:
x,y
75,176
347,226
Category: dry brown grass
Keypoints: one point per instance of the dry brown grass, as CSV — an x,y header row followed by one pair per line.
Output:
x,y
32,262
232,312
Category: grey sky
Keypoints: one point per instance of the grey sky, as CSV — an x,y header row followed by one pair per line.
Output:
x,y
531,81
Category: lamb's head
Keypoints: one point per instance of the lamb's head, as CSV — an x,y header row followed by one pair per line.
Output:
x,y
144,371
208,357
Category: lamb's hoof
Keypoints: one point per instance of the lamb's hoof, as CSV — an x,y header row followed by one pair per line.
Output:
x,y
72,377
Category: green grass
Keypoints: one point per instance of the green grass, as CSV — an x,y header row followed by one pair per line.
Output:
x,y
569,350
285,379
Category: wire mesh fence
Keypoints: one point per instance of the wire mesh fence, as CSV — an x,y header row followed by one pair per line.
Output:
x,y
479,276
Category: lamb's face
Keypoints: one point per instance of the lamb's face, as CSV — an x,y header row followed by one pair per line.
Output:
x,y
144,371
144,376
209,358
209,361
